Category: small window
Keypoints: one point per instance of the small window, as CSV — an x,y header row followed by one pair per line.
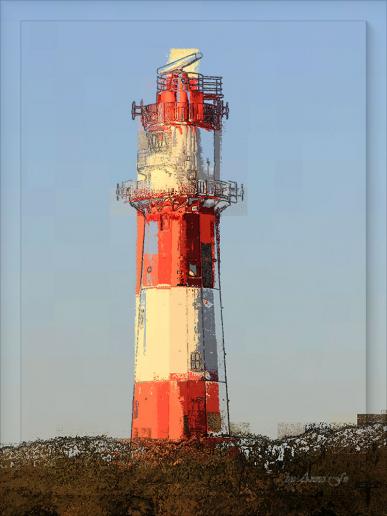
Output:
x,y
207,266
192,269
164,222
196,361
186,426
135,410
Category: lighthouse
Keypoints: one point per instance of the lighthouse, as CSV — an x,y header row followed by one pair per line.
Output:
x,y
180,379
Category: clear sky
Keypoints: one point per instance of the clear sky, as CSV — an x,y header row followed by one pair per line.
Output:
x,y
293,257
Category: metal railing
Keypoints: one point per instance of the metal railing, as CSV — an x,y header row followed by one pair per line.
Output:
x,y
207,84
172,112
134,191
168,113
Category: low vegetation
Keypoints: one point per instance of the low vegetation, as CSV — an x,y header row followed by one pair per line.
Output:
x,y
323,472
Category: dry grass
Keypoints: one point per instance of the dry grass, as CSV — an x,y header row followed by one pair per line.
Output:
x,y
322,473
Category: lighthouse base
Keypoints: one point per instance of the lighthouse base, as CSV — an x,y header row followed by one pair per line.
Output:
x,y
178,409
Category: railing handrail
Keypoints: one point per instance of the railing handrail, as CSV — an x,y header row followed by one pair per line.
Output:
x,y
229,191
199,81
202,113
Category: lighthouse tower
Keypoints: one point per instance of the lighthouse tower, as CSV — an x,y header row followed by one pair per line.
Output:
x,y
180,387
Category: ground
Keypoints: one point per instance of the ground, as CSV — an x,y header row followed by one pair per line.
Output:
x,y
323,472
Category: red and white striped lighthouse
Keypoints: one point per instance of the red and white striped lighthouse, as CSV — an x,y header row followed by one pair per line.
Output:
x,y
180,385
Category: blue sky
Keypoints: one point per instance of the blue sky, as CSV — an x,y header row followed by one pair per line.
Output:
x,y
293,257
